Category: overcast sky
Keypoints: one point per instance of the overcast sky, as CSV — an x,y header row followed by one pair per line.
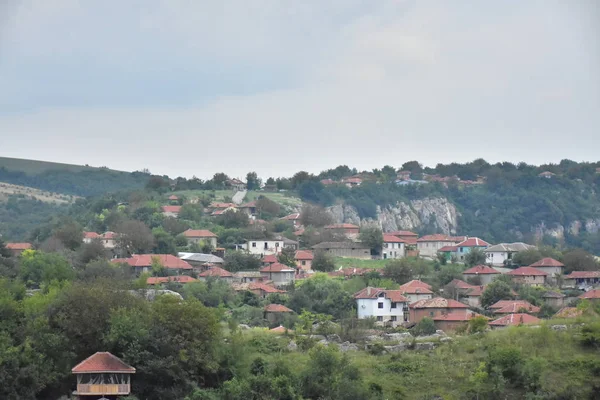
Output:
x,y
194,87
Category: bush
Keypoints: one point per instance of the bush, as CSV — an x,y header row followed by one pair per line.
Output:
x,y
424,327
590,335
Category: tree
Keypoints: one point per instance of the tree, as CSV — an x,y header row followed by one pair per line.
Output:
x,y
219,179
39,268
323,262
233,219
424,327
301,177
189,212
475,257
316,216
92,251
478,324
164,243
158,183
134,237
70,234
240,261
496,291
580,260
266,206
252,181
399,271
287,257
372,236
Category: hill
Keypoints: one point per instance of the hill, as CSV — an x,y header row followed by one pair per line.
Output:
x,y
36,167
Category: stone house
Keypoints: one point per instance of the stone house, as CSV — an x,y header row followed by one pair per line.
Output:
x,y
483,273
393,247
550,266
429,245
554,299
582,279
416,290
514,320
345,249
528,276
351,231
275,313
431,308
201,236
304,260
216,272
280,274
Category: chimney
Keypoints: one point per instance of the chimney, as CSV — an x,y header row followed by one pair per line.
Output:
x,y
368,290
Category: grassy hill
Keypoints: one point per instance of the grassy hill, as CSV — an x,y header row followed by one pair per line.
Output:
x,y
36,167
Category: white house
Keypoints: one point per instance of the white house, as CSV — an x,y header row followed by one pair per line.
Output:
x,y
393,247
429,245
264,247
502,254
108,239
388,307
550,266
416,290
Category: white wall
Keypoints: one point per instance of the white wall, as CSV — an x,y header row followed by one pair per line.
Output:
x,y
429,249
368,308
258,247
417,296
393,250
496,258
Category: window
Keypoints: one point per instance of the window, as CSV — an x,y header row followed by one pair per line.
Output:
x,y
266,245
379,305
276,244
253,244
385,245
379,318
393,305
431,313
303,262
394,318
462,249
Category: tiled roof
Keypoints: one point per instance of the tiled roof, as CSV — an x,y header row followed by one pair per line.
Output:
x,y
394,296
198,233
475,291
515,319
438,302
438,237
341,226
480,270
509,247
18,246
251,204
155,280
500,304
171,209
527,271
269,258
221,205
255,286
281,329
583,275
109,235
457,283
216,271
277,267
173,197
553,295
415,284
102,362
347,272
277,308
456,316
90,235
517,306
448,248
145,260
387,238
473,242
304,255
403,233
291,217
547,262
568,312
592,294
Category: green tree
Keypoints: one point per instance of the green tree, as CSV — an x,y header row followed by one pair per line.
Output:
x,y
239,261
323,262
39,268
372,236
233,219
580,260
496,291
400,271
478,324
134,237
252,181
424,327
287,257
475,257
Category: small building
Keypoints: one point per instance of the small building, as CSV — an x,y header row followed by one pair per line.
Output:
x,y
260,289
410,238
429,245
274,313
17,248
88,237
173,198
502,254
416,290
550,266
393,247
199,260
264,247
465,247
248,276
388,307
473,296
582,279
554,299
351,231
171,211
201,236
568,312
102,375
216,272
304,260
546,174
514,320
142,263
513,306
452,321
293,218
528,276
249,208
280,274
592,295
483,273
235,184
269,259
437,306
345,249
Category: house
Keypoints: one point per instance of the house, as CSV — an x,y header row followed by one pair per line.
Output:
x,y
248,276
345,249
235,184
449,252
550,266
171,211
410,238
289,243
436,306
481,273
264,247
469,244
158,280
403,175
304,260
416,290
568,312
452,321
198,260
429,245
269,259
328,182
514,320
351,231
546,174
393,247
88,237
554,299
249,208
280,274
473,296
17,248
502,254
388,307
352,182
528,276
199,236
274,313
216,272
592,295
142,263
260,289
582,279
293,218
513,306
102,374
173,198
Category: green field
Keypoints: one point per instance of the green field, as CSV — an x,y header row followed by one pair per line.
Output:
x,y
288,201
357,263
35,167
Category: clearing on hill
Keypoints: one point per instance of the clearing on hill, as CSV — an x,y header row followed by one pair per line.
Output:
x,y
7,190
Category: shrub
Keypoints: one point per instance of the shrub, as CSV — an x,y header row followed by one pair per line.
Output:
x,y
424,327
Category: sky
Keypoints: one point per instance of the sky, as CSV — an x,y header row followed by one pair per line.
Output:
x,y
194,87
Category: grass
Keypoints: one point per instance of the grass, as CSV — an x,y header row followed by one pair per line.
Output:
x,y
7,190
35,167
283,199
358,263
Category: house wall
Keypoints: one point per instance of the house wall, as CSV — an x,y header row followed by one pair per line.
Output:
x,y
462,252
417,314
264,247
535,280
449,326
393,250
417,296
279,278
368,308
485,278
472,301
170,214
555,302
305,265
551,271
496,258
211,240
429,249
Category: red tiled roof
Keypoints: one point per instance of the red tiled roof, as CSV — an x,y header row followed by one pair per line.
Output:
x,y
281,329
291,217
299,232
438,237
90,235
395,296
198,233
515,320
270,258
221,205
145,260
347,272
438,302
456,316
173,197
109,235
216,271
102,362
592,294
415,284
475,291
277,308
352,180
527,271
387,238
457,283
18,246
264,287
277,267
328,181
304,255
547,262
516,306
473,242
448,248
500,304
480,270
583,275
155,280
403,233
341,226
171,209
568,312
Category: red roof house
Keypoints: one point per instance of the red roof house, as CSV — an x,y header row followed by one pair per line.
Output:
x,y
514,306
171,211
277,308
269,259
142,263
17,248
434,307
157,280
103,374
484,273
528,276
514,320
216,272
591,295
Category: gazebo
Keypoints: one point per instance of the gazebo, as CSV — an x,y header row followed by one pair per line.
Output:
x,y
102,376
